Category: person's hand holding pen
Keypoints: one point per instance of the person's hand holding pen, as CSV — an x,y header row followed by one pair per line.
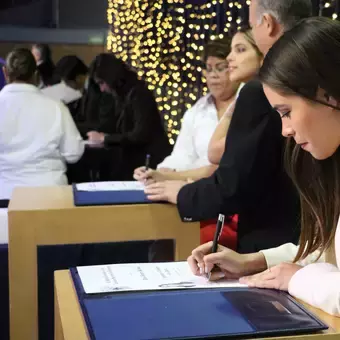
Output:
x,y
150,176
141,174
224,263
159,175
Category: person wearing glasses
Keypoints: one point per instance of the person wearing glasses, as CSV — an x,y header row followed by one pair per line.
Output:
x,y
243,63
239,66
189,158
250,180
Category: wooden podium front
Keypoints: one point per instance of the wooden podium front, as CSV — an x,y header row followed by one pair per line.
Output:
x,y
47,216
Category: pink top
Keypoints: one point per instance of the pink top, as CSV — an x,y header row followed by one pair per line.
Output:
x,y
317,283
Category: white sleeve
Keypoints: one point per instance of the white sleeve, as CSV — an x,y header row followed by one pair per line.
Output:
x,y
184,153
319,285
71,144
287,253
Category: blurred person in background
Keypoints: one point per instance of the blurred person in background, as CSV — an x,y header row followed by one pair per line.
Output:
x,y
38,136
138,129
189,158
73,74
45,66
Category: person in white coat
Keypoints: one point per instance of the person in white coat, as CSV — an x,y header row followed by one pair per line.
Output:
x,y
38,136
300,76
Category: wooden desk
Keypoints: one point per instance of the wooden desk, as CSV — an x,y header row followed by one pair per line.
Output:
x,y
70,324
47,216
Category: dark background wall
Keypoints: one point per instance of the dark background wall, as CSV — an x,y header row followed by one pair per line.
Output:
x,y
31,13
86,52
54,13
65,13
81,26
83,13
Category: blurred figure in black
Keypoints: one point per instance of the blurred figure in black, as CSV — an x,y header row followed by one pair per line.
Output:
x,y
138,129
72,71
90,110
45,66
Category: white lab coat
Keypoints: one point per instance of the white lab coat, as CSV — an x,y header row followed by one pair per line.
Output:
x,y
38,136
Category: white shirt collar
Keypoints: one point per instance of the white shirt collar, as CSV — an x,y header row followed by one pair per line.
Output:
x,y
205,102
19,87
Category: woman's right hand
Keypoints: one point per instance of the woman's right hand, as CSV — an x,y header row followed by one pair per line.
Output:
x,y
140,174
229,264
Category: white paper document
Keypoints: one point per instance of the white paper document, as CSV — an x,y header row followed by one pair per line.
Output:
x,y
145,276
110,186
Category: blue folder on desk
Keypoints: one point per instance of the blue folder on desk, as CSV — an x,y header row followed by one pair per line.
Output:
x,y
228,313
89,198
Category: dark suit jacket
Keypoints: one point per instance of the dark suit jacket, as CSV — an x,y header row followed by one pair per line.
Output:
x,y
46,71
139,130
250,180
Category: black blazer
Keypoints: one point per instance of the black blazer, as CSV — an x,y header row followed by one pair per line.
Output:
x,y
250,180
46,72
139,130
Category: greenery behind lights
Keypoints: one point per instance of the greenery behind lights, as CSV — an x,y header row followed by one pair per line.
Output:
x,y
163,40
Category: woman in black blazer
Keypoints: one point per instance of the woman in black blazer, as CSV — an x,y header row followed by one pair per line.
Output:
x,y
138,129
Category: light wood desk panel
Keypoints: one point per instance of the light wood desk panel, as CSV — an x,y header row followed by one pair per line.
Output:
x,y
47,216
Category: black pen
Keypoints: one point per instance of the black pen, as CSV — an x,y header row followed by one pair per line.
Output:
x,y
147,162
218,232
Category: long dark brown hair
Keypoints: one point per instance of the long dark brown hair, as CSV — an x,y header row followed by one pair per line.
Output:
x,y
115,72
248,34
303,61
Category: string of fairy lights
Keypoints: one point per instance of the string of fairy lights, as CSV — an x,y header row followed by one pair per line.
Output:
x,y
163,41
329,8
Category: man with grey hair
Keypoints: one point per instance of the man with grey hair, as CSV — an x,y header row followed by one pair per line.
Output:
x,y
250,180
269,19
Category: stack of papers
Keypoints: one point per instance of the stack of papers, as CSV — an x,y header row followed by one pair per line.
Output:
x,y
111,186
145,276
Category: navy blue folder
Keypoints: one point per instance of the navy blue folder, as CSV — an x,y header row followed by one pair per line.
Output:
x,y
88,198
228,313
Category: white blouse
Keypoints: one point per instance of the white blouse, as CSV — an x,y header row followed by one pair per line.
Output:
x,y
198,126
191,148
62,92
318,283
